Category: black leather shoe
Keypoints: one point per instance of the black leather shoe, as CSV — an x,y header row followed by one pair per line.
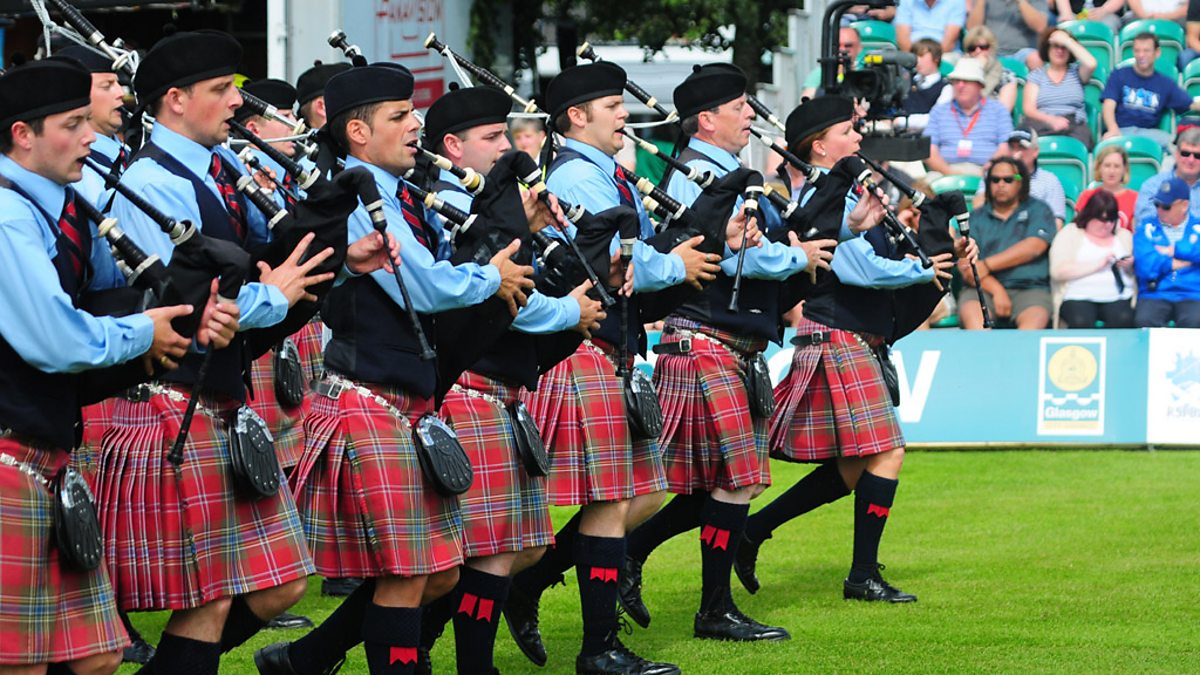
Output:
x,y
630,593
287,620
340,587
875,589
139,651
733,625
620,660
274,660
744,563
521,615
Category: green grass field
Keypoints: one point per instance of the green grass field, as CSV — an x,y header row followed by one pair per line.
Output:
x,y
1023,561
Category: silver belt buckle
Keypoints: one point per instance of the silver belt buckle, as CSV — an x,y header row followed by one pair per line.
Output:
x,y
819,337
685,345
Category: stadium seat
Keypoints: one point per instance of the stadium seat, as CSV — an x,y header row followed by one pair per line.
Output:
x,y
1170,38
1096,37
1093,93
968,185
876,35
945,68
1145,157
1168,68
1021,72
1191,78
1066,158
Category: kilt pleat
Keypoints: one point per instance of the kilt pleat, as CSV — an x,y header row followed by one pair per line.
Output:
x,y
580,411
48,613
96,420
709,438
833,402
505,509
181,538
368,509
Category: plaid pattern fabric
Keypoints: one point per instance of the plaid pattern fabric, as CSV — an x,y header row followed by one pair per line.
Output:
x,y
709,439
286,424
311,348
227,186
97,418
178,539
579,409
833,403
505,509
369,511
47,613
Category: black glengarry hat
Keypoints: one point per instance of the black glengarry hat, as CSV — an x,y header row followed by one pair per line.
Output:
x,y
185,58
579,84
463,109
40,88
372,84
707,87
92,59
816,115
278,93
311,82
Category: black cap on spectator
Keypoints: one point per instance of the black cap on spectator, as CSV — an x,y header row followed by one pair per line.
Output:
x,y
579,84
185,58
278,93
372,84
816,115
40,88
311,82
463,109
92,59
707,87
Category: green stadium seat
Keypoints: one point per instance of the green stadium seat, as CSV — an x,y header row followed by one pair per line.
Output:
x,y
968,185
1170,38
945,68
876,34
1021,72
1145,157
1066,158
1191,78
1096,37
1168,68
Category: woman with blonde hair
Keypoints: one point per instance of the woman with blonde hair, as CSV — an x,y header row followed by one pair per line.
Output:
x,y
1111,170
998,82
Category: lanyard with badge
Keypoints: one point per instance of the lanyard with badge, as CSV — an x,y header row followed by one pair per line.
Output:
x,y
965,145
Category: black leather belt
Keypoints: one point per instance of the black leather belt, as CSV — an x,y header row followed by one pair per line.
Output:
x,y
811,339
328,388
681,346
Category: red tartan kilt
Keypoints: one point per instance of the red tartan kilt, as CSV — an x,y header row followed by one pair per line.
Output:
x,y
178,539
505,510
709,439
309,344
833,403
49,613
97,418
579,409
286,424
368,509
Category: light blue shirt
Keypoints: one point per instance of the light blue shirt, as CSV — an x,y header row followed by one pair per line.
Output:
x,y
772,260
1144,209
590,183
433,283
261,305
36,316
930,22
542,314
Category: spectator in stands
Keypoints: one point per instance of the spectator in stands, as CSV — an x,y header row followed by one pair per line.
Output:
x,y
939,20
1170,10
1187,169
1054,93
1191,46
966,131
1044,186
1166,258
849,42
1111,170
1016,24
866,13
1091,268
1107,12
929,87
998,82
1136,97
528,133
1013,232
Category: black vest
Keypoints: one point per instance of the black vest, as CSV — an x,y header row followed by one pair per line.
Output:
x,y
229,367
33,403
920,101
854,308
758,301
610,328
373,338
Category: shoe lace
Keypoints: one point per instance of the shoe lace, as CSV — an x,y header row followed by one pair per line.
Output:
x,y
878,577
620,647
623,625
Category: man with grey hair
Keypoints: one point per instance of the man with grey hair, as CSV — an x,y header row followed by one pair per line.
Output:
x,y
1187,167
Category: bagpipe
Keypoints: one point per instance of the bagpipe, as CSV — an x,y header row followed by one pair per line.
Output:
x,y
480,73
585,51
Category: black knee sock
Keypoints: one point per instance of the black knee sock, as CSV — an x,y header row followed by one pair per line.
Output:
x,y
681,514
435,616
872,503
821,486
134,634
479,599
59,669
390,636
241,625
597,560
328,643
554,563
184,656
721,526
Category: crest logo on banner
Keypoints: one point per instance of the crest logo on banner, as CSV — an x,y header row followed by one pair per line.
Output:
x,y
1071,387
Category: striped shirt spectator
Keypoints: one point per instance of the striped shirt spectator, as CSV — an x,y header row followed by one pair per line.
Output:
x,y
965,132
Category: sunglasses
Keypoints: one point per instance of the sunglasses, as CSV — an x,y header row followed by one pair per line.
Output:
x,y
1164,207
1189,153
1004,179
979,47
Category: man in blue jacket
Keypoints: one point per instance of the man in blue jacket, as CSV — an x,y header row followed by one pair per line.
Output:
x,y
1166,254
